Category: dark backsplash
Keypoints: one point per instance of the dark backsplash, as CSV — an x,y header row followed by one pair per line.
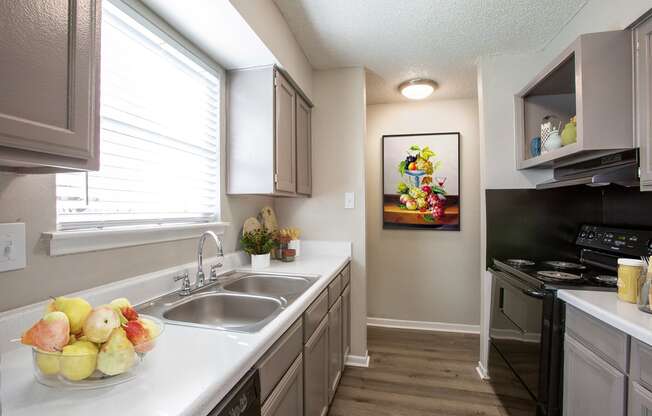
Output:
x,y
542,224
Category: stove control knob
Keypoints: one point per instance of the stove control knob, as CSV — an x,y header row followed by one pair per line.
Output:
x,y
591,235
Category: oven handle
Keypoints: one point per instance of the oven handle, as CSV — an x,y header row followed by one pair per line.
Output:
x,y
518,285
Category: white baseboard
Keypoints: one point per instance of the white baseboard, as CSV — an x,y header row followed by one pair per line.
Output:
x,y
358,360
424,325
482,372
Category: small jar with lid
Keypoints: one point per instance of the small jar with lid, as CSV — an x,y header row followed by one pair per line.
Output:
x,y
630,272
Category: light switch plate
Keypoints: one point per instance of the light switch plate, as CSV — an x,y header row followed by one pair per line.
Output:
x,y
349,200
12,246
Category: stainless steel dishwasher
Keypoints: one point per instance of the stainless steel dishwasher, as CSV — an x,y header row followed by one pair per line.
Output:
x,y
243,399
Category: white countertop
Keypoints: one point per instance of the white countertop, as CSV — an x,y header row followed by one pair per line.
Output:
x,y
606,307
188,373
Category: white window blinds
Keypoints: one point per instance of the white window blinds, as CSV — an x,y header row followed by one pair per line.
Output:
x,y
159,135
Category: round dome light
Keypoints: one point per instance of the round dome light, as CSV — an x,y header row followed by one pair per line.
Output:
x,y
418,89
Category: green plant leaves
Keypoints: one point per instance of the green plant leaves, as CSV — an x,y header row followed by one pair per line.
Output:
x,y
258,241
401,167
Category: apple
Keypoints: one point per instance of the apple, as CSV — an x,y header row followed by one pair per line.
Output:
x,y
427,189
100,323
76,309
50,334
412,166
411,204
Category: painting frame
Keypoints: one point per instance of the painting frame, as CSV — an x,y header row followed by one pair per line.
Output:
x,y
392,225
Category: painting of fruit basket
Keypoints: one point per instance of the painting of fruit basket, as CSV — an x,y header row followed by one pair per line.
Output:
x,y
421,181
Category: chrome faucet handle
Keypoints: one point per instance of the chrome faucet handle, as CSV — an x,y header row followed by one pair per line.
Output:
x,y
185,283
213,276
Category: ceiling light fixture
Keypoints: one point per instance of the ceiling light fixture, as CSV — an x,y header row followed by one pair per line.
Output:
x,y
418,88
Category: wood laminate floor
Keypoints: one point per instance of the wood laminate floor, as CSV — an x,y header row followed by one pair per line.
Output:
x,y
416,373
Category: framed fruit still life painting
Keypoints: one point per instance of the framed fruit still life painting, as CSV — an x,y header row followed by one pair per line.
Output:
x,y
421,181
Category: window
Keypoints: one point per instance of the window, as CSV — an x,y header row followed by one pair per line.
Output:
x,y
159,135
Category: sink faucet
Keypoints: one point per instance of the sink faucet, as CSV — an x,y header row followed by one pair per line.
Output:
x,y
201,278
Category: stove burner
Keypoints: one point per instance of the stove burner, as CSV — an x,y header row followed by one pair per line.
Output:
x,y
564,265
519,262
559,275
607,279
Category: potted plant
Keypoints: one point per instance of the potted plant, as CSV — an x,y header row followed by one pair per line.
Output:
x,y
258,243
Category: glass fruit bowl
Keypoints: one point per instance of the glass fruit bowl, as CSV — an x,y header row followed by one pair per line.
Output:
x,y
87,365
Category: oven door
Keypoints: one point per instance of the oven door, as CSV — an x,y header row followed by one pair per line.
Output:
x,y
516,329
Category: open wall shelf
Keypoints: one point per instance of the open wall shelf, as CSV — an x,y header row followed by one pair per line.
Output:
x,y
591,80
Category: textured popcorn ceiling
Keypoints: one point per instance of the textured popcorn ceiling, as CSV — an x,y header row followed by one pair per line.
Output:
x,y
440,39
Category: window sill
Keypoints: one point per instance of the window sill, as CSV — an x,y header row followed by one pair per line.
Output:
x,y
83,241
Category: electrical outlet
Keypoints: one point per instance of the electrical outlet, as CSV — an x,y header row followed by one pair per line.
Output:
x,y
349,200
12,246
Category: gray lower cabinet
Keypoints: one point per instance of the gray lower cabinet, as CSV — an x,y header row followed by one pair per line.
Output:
x,y
49,78
591,385
346,323
315,370
335,347
640,400
287,397
642,95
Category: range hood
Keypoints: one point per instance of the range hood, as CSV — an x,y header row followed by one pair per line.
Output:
x,y
619,168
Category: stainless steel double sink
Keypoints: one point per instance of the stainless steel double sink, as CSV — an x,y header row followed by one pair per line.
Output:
x,y
241,302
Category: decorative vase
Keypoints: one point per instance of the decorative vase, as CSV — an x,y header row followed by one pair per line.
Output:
x,y
553,142
569,134
260,261
535,146
296,245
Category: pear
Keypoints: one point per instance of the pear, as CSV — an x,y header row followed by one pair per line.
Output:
x,y
117,355
78,360
76,309
49,334
124,309
100,323
47,362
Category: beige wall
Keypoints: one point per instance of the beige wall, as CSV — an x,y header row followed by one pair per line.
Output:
x,y
423,275
31,199
337,167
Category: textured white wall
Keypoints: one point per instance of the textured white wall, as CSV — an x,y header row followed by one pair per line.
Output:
x,y
423,275
338,125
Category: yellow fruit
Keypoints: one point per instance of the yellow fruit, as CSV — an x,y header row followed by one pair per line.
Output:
x,y
100,323
50,333
117,355
78,360
76,309
120,303
48,362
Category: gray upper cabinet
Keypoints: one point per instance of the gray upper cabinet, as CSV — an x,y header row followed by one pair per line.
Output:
x,y
642,94
591,385
49,83
286,136
304,137
591,80
267,127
